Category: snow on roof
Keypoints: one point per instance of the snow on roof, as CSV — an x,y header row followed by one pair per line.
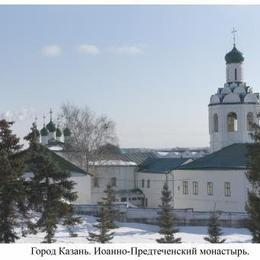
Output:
x,y
113,163
162,153
55,148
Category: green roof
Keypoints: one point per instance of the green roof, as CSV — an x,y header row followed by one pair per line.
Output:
x,y
234,56
51,127
62,162
230,157
67,132
44,131
138,157
58,132
161,165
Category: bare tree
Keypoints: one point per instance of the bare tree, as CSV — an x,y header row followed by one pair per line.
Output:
x,y
89,133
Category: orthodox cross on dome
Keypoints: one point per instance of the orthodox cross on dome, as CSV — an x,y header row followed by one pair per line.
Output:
x,y
51,114
234,31
35,120
44,120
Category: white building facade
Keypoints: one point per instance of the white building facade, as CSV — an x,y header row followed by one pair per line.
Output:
x,y
218,180
203,190
121,175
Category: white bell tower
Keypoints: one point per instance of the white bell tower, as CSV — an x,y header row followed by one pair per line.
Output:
x,y
234,108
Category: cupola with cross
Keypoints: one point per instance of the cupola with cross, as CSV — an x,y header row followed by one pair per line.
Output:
x,y
51,134
234,108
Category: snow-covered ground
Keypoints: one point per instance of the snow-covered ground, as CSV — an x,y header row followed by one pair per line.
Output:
x,y
140,233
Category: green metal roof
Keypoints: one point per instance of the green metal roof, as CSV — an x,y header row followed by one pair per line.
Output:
x,y
67,132
138,157
230,157
62,162
161,165
44,131
51,127
58,132
234,56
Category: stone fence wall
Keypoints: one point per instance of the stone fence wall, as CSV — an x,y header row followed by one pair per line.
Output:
x,y
183,216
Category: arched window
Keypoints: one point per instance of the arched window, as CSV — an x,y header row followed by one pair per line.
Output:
x,y
235,74
232,122
250,121
215,123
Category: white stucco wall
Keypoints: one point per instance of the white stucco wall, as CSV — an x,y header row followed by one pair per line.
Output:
x,y
230,72
157,180
125,179
224,138
204,202
44,140
82,187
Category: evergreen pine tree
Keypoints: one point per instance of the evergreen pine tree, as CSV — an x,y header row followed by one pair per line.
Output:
x,y
71,221
51,189
108,202
103,234
105,218
166,218
253,175
214,230
12,195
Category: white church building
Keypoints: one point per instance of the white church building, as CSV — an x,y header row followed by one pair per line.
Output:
x,y
216,180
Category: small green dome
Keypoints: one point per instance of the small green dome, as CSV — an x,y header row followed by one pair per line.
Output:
x,y
51,127
58,132
67,132
234,56
44,131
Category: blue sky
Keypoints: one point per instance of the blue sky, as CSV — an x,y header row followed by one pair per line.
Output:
x,y
151,69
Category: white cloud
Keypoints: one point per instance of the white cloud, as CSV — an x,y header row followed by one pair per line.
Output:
x,y
51,50
88,49
18,115
128,50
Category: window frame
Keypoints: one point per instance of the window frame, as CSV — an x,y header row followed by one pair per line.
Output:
x,y
215,123
227,189
185,187
148,184
232,122
249,121
195,188
113,182
96,182
210,188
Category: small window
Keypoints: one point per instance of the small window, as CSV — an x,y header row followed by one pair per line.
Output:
x,y
96,182
113,181
148,184
195,189
215,123
142,183
232,122
250,121
185,187
235,74
227,189
123,199
210,188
